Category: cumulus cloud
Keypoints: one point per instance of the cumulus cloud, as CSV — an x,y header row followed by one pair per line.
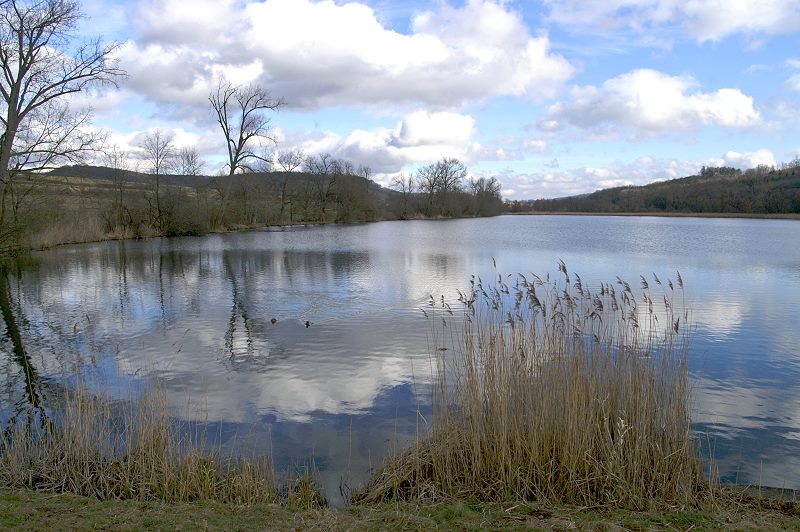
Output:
x,y
419,137
537,145
317,54
793,83
648,102
704,20
746,160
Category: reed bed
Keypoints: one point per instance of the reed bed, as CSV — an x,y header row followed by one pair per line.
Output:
x,y
93,446
555,393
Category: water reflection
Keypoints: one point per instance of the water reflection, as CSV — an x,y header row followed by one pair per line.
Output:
x,y
722,316
31,402
222,319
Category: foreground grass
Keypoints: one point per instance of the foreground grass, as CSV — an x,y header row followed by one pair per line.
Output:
x,y
93,446
30,510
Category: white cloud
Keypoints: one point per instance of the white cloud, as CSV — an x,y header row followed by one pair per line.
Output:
x,y
554,183
647,101
793,83
419,137
744,160
536,145
704,20
713,20
317,54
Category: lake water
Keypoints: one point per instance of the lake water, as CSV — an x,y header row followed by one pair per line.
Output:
x,y
197,312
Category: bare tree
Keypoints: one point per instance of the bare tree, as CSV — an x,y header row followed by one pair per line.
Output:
x,y
188,162
485,187
290,160
439,180
159,153
406,186
41,65
343,167
324,169
118,215
320,164
486,195
241,113
365,172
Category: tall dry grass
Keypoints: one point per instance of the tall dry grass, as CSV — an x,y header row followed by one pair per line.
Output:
x,y
556,393
132,450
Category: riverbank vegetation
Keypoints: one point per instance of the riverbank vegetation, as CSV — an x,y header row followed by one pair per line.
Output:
x,y
89,445
764,190
87,203
557,393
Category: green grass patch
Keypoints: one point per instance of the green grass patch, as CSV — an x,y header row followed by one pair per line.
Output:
x,y
30,510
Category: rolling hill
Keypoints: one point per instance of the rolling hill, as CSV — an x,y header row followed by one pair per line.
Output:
x,y
714,190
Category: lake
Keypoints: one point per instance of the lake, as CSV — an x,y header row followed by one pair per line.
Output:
x,y
341,372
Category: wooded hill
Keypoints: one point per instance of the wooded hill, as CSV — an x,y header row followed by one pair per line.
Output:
x,y
762,190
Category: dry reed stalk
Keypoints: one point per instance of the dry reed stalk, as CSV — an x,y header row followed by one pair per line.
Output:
x,y
556,393
94,447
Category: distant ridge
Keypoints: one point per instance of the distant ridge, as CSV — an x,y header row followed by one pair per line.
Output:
x,y
82,171
715,190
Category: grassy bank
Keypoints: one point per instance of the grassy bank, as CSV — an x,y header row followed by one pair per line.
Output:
x,y
29,510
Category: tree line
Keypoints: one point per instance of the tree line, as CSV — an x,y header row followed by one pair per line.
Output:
x,y
288,188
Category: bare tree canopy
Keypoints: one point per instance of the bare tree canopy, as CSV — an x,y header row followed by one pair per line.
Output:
x,y
290,160
159,151
241,114
159,154
439,181
188,161
485,187
406,185
321,164
445,175
41,65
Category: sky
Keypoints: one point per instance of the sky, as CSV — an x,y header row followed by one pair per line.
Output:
x,y
551,97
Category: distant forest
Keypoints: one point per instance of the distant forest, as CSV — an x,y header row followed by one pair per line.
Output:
x,y
760,190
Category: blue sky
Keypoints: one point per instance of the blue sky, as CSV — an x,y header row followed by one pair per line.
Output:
x,y
552,97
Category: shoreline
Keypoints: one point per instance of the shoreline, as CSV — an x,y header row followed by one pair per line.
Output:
x,y
22,509
283,227
240,228
732,215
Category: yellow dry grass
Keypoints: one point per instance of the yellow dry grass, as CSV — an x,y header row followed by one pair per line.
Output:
x,y
555,393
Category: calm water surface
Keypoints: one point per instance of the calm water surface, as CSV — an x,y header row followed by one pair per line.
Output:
x,y
197,312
